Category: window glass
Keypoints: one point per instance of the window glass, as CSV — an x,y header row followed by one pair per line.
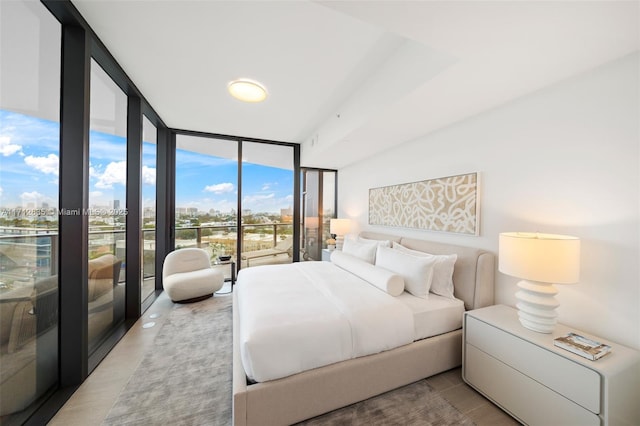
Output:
x,y
30,41
107,209
267,204
207,198
149,157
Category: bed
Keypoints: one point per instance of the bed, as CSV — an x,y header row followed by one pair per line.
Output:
x,y
288,397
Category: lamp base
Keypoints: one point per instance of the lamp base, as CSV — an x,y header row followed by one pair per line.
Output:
x,y
537,305
339,242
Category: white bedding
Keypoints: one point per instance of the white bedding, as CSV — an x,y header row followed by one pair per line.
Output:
x,y
435,315
306,315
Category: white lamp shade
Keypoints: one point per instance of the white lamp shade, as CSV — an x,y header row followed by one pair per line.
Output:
x,y
339,226
546,258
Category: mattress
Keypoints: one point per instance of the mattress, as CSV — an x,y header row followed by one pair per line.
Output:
x,y
434,315
306,315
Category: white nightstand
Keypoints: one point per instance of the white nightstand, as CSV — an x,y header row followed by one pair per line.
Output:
x,y
326,255
540,384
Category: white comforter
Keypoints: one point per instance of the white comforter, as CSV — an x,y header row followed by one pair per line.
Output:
x,y
310,314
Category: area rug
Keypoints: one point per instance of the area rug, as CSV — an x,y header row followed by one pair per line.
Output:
x,y
185,379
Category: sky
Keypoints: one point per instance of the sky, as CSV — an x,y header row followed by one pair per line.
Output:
x,y
29,166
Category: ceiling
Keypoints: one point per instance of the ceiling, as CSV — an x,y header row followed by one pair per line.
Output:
x,y
348,79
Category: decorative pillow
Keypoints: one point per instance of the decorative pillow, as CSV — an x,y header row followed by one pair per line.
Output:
x,y
442,283
385,280
383,243
416,271
362,250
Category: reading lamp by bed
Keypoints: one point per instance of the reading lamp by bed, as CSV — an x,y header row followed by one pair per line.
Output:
x,y
339,227
541,260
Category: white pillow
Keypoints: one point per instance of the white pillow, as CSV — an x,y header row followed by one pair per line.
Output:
x,y
383,243
442,283
416,271
362,250
383,279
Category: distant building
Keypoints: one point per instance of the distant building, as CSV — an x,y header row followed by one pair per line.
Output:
x,y
286,215
116,204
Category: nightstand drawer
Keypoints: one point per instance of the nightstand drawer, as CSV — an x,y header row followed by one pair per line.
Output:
x,y
526,399
576,382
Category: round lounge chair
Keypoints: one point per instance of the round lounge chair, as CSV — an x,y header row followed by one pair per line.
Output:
x,y
187,275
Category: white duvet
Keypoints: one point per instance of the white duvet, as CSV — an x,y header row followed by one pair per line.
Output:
x,y
306,315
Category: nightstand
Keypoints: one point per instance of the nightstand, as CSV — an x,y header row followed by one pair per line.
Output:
x,y
540,384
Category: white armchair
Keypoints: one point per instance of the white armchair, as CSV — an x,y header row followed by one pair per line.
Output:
x,y
187,275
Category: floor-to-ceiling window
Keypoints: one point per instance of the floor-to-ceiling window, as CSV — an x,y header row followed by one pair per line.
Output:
x,y
148,208
329,207
318,208
107,210
29,152
206,194
267,203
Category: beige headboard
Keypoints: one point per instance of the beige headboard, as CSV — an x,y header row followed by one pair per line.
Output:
x,y
473,274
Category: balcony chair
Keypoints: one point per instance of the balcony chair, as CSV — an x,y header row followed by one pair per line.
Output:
x,y
187,275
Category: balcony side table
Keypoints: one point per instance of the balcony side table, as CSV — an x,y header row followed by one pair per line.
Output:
x,y
232,266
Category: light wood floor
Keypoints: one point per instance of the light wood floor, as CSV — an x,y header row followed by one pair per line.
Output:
x,y
91,403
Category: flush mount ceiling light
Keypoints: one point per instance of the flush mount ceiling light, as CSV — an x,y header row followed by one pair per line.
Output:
x,y
247,90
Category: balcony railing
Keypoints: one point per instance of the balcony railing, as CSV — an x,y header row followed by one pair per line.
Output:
x,y
30,253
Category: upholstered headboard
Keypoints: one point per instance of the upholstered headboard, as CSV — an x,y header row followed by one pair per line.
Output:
x,y
473,274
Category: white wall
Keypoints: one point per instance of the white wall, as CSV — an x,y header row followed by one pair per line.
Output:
x,y
563,160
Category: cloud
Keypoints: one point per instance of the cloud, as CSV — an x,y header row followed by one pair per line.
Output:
x,y
95,194
36,199
1,191
220,188
265,187
115,172
148,175
258,198
48,165
7,148
33,196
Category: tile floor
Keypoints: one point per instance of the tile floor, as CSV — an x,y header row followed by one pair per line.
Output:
x,y
90,404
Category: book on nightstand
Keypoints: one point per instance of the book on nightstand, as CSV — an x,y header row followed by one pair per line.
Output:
x,y
582,346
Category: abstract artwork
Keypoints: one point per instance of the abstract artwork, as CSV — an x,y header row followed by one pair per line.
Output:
x,y
447,204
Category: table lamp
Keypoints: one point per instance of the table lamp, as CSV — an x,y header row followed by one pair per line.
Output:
x,y
541,260
339,227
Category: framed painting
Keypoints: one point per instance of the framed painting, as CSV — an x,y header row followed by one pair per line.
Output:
x,y
448,204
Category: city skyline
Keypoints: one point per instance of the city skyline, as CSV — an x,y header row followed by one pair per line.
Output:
x,y
29,155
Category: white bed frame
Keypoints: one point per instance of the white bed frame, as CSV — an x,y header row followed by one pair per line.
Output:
x,y
311,393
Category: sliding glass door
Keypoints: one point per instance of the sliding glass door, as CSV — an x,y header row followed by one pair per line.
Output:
x,y
206,196
107,211
238,213
267,204
318,208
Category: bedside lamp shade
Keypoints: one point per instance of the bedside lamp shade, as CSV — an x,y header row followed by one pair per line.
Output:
x,y
541,260
339,227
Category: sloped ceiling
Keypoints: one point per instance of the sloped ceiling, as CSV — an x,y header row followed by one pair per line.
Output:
x,y
350,79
